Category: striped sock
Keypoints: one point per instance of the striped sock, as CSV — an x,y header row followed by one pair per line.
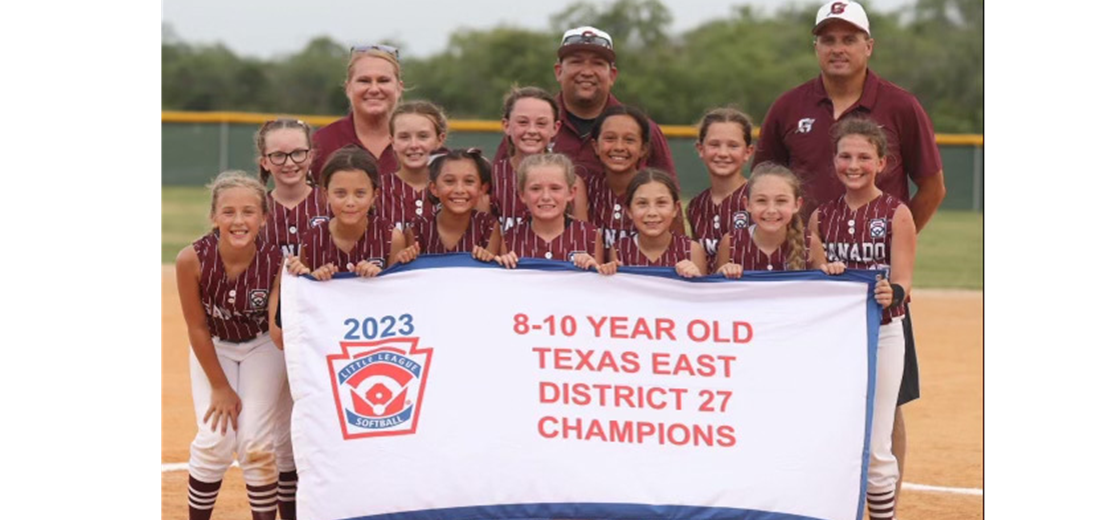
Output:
x,y
263,500
202,498
287,494
881,505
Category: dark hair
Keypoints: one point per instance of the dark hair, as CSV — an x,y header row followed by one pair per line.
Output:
x,y
278,124
863,127
795,232
516,94
624,110
649,175
424,108
350,157
725,115
485,173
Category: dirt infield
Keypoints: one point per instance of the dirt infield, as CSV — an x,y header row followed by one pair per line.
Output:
x,y
945,425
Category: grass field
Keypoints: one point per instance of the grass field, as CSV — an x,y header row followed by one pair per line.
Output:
x,y
949,251
184,218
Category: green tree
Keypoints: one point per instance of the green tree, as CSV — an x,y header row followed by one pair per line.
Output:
x,y
471,77
933,48
311,81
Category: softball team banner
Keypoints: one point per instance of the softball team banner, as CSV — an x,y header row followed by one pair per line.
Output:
x,y
450,389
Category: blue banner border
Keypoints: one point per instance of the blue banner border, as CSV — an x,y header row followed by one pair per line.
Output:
x,y
613,511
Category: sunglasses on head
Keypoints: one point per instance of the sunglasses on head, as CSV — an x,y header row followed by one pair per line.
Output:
x,y
389,49
588,38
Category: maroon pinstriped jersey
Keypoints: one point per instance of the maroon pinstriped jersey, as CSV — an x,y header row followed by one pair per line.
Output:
x,y
862,238
319,248
578,237
504,199
608,211
401,204
744,251
710,222
478,232
338,134
287,227
627,250
236,310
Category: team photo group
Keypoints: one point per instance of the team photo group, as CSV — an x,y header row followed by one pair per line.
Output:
x,y
580,178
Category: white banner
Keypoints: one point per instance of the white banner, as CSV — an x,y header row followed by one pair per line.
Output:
x,y
449,389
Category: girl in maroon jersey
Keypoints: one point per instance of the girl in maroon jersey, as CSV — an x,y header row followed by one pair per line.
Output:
x,y
869,229
284,153
352,241
776,238
546,188
725,146
459,180
621,137
653,203
418,130
224,280
530,120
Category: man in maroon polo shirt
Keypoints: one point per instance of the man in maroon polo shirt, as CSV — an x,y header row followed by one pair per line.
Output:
x,y
796,133
586,71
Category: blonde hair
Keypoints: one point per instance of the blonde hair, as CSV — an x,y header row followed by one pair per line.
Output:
x,y
373,53
237,179
795,233
544,159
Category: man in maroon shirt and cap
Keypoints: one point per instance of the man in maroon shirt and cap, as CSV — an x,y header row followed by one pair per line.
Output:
x,y
796,133
586,71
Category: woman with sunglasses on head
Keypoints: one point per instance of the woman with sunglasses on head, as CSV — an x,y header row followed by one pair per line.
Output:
x,y
373,88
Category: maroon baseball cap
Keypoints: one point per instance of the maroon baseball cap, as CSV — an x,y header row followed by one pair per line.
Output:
x,y
587,38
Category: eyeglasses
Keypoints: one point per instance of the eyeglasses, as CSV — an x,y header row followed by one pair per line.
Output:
x,y
389,49
298,156
589,38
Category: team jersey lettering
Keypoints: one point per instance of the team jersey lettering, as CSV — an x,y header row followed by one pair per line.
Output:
x,y
236,310
866,253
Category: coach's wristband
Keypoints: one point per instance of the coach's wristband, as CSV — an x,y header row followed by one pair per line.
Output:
x,y
899,295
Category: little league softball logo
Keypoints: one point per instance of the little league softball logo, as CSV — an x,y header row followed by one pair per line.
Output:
x,y
878,228
258,298
378,386
740,220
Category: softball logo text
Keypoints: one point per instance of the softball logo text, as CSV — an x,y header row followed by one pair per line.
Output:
x,y
378,386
